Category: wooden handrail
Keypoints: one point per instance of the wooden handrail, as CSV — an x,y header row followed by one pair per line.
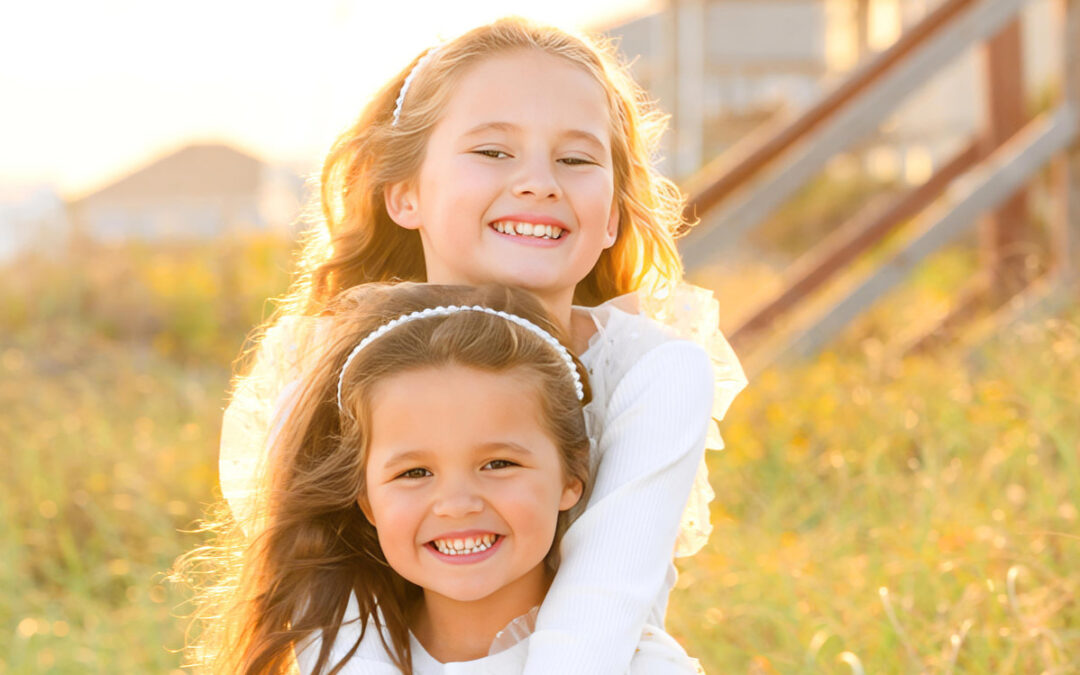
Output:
x,y
744,187
988,185
780,180
721,177
853,239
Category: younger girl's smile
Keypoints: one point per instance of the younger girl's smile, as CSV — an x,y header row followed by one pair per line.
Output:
x,y
463,551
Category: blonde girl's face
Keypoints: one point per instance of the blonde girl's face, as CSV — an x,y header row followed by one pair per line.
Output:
x,y
464,483
517,184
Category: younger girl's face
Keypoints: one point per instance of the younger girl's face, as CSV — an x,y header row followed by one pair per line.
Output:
x,y
464,483
517,184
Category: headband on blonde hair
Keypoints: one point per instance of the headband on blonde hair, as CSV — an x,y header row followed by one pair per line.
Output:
x,y
408,80
382,330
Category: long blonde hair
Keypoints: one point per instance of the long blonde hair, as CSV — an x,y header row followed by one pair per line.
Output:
x,y
314,547
355,241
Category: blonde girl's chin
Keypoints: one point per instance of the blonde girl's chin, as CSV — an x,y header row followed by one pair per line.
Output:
x,y
542,278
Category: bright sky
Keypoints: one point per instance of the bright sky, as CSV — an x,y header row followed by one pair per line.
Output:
x,y
91,89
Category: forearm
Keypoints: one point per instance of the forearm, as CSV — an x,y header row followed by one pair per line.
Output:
x,y
616,555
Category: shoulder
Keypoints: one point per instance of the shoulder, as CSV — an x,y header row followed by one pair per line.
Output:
x,y
292,338
370,657
628,325
634,345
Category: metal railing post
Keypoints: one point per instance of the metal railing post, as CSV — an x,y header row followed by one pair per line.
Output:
x,y
1067,225
1006,237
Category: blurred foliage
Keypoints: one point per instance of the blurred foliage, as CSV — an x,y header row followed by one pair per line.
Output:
x,y
114,368
108,456
816,210
189,301
950,483
919,516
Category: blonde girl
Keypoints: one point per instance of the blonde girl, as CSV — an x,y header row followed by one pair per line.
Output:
x,y
519,154
408,513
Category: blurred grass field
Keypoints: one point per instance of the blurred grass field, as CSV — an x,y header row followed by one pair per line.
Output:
x,y
871,516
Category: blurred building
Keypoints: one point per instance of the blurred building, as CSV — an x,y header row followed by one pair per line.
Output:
x,y
722,67
936,120
32,218
198,192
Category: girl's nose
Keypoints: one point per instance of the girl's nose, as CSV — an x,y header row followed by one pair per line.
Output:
x,y
536,179
457,500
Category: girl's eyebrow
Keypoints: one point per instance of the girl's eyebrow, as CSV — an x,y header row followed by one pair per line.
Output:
x,y
407,457
585,136
419,456
509,127
491,126
506,446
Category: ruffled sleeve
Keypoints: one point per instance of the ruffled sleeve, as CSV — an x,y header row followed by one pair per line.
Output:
x,y
693,313
259,402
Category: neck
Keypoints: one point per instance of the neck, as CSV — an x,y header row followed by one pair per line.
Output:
x,y
578,326
560,307
454,630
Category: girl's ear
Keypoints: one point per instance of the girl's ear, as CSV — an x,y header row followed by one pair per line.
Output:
x,y
571,494
612,232
402,205
366,508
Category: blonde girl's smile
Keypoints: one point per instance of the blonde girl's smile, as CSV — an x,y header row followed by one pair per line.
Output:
x,y
531,229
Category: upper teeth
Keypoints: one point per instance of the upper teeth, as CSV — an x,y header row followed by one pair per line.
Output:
x,y
464,546
528,229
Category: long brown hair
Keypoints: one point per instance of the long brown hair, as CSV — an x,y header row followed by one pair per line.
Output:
x,y
354,241
314,547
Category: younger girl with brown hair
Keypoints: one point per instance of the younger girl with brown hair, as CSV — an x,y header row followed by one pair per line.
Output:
x,y
412,497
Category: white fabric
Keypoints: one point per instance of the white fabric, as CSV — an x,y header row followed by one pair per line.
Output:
x,y
657,653
653,398
657,392
259,404
692,313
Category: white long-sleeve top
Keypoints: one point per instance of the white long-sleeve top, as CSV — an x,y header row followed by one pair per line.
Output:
x,y
655,397
655,653
650,415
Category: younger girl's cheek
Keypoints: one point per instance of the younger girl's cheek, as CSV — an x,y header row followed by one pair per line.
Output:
x,y
535,498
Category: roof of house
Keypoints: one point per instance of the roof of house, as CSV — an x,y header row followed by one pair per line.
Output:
x,y
198,170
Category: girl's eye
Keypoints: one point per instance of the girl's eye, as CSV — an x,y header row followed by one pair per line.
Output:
x,y
576,161
494,154
499,464
414,473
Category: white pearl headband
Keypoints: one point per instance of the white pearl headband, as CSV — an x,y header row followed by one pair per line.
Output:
x,y
408,80
454,309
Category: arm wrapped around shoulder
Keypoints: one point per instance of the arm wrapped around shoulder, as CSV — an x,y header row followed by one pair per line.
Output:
x,y
615,557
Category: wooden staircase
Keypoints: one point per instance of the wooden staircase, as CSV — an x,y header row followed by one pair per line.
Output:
x,y
986,178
